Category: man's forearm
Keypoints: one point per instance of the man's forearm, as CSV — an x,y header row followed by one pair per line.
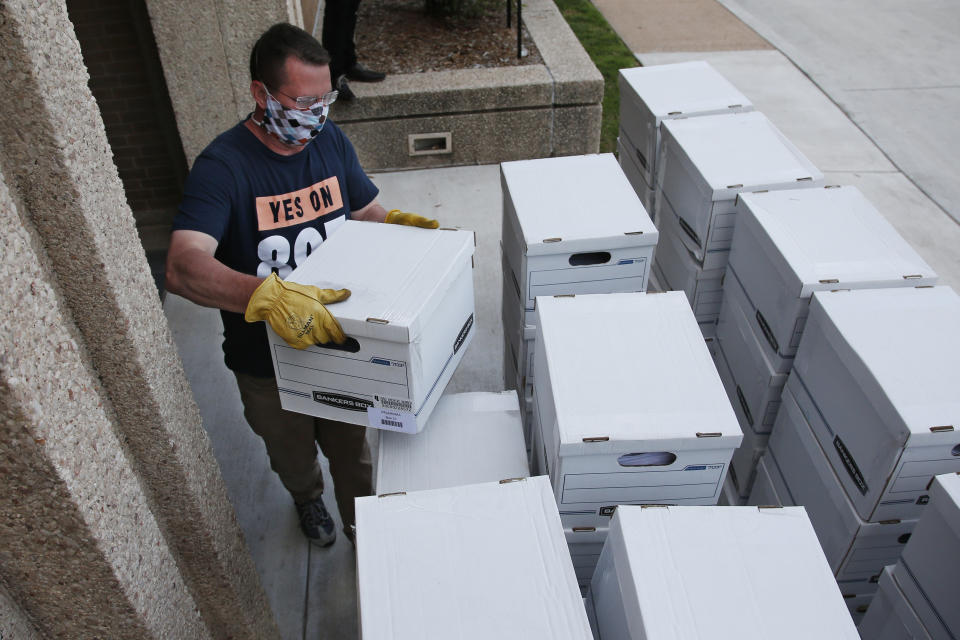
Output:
x,y
201,278
373,212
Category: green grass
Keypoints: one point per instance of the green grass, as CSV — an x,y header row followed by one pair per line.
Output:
x,y
608,52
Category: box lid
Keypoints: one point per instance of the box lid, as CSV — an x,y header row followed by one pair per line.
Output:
x,y
470,438
902,345
740,152
477,561
576,203
684,88
945,498
396,274
831,238
726,572
633,368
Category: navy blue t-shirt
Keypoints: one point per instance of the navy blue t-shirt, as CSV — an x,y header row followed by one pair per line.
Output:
x,y
269,212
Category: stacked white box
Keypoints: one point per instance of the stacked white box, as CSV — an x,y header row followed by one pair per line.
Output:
x,y
470,438
744,460
635,414
570,225
477,561
788,244
708,161
626,154
879,369
890,615
650,95
932,561
408,322
716,572
857,550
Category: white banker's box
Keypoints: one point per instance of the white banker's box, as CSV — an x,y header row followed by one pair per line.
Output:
x,y
650,95
409,320
891,615
477,561
932,556
734,573
856,550
574,225
470,438
788,244
631,409
879,367
708,161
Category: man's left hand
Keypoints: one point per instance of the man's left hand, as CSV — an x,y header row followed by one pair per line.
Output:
x,y
410,219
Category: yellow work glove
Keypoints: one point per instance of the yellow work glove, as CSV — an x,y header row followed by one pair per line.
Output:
x,y
296,311
410,219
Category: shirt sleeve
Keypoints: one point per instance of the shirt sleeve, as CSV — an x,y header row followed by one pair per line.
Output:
x,y
207,198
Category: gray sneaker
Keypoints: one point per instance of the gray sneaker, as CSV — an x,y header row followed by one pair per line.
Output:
x,y
316,523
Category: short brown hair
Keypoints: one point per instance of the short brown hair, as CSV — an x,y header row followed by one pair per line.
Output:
x,y
278,43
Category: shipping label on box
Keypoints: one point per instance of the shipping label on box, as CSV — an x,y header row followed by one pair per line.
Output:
x,y
409,321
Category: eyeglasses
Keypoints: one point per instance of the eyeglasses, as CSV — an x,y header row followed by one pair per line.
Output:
x,y
308,102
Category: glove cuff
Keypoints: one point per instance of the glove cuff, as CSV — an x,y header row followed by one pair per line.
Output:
x,y
263,299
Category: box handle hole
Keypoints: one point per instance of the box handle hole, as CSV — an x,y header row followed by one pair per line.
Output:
x,y
589,258
647,459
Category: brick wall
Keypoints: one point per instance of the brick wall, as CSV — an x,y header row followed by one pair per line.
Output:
x,y
127,81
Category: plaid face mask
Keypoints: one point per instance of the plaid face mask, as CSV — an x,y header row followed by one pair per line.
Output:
x,y
293,126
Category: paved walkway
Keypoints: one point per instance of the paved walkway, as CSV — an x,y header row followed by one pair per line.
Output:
x,y
867,112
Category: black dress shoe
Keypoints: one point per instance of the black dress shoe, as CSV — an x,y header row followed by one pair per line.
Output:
x,y
344,92
360,73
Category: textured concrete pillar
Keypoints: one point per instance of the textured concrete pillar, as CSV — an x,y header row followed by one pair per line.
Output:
x,y
80,550
205,47
14,623
58,165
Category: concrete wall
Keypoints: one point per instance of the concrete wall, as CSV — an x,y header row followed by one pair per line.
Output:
x,y
111,504
205,50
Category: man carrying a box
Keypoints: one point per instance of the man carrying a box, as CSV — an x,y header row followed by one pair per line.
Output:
x,y
259,199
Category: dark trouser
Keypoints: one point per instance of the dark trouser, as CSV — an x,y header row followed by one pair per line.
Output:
x,y
292,438
339,24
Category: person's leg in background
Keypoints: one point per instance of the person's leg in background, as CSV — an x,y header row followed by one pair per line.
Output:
x,y
290,439
339,25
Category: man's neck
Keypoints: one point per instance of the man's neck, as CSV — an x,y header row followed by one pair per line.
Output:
x,y
270,141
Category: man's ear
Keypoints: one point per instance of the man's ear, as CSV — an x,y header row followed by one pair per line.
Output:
x,y
259,92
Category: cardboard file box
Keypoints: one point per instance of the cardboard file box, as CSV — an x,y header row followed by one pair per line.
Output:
x,y
650,95
749,321
858,605
757,381
585,544
519,325
856,550
681,272
788,244
708,161
574,225
627,156
932,556
730,497
768,488
890,615
933,623
635,414
743,463
477,561
471,438
720,234
409,320
716,572
879,368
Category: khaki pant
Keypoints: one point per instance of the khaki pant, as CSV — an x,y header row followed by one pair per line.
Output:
x,y
292,439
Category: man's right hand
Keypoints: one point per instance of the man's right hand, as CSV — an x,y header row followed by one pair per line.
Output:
x,y
296,311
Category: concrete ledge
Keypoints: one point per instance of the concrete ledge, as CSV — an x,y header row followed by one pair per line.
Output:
x,y
492,115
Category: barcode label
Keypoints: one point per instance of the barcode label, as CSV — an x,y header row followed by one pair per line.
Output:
x,y
391,419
